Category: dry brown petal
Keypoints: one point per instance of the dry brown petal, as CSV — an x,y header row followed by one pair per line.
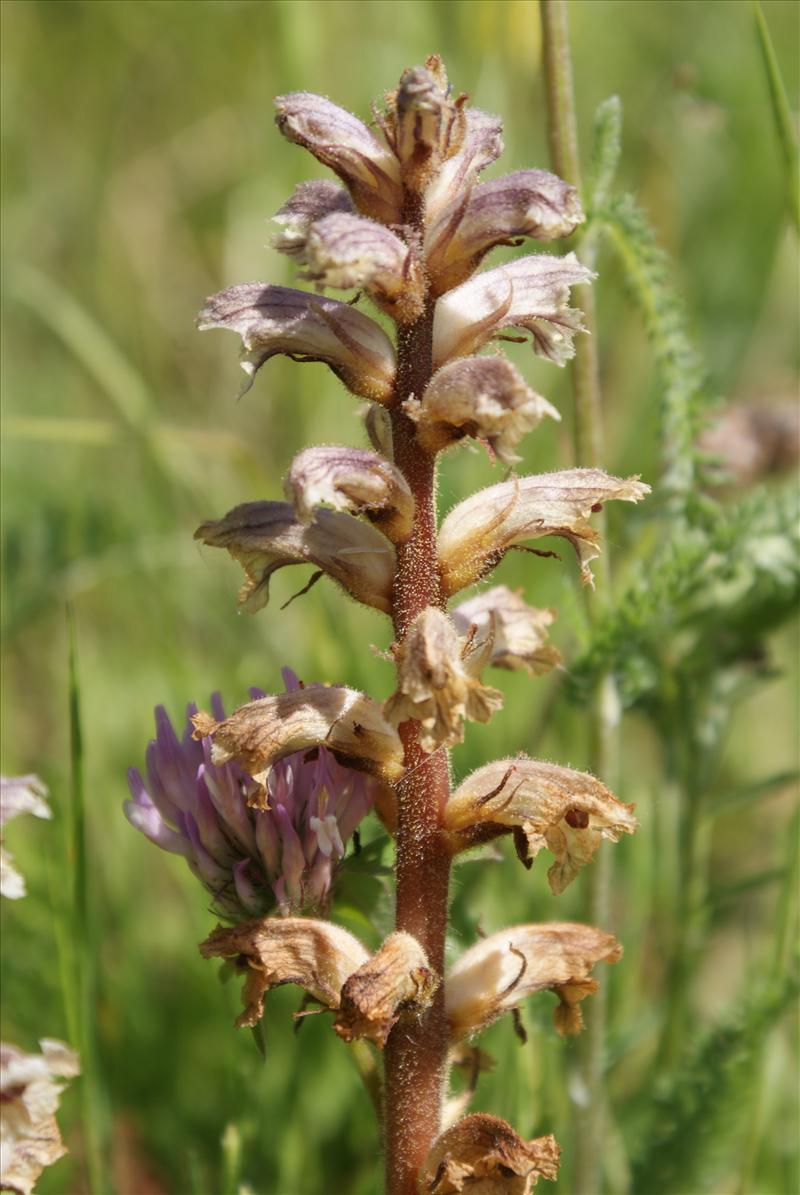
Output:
x,y
346,251
267,536
309,202
483,397
396,979
479,531
528,203
545,805
498,973
438,681
531,293
274,320
351,479
270,951
482,143
29,1097
482,1154
424,125
519,630
339,140
348,723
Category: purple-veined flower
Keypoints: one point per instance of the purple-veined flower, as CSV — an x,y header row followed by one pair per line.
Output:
x,y
252,861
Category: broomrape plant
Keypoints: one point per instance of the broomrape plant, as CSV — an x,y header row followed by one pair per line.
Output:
x,y
261,803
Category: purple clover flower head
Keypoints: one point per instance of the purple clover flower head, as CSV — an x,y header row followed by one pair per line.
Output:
x,y
250,860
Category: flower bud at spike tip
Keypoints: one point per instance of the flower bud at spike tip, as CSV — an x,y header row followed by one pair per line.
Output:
x,y
267,536
479,531
544,805
351,479
272,951
482,1153
482,397
438,681
424,125
397,978
274,320
495,975
347,723
519,631
342,142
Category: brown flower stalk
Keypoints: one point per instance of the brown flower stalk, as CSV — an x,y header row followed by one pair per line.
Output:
x,y
409,227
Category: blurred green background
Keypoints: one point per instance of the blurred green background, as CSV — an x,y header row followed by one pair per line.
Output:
x,y
141,166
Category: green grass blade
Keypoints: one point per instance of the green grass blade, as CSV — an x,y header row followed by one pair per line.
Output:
x,y
782,114
94,1102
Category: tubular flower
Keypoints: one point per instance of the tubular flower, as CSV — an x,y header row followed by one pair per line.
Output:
x,y
438,681
18,794
276,319
351,479
250,860
497,974
531,293
482,1153
266,536
479,531
335,137
271,951
259,734
544,805
483,397
346,251
528,203
519,631
30,1090
309,202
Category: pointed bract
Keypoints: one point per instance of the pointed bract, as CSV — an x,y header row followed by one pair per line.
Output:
x,y
499,972
545,805
484,1155
271,951
355,480
267,536
274,320
339,140
479,531
482,144
531,293
348,723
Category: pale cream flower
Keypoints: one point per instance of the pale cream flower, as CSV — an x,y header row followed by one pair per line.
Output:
x,y
519,631
544,805
270,951
266,536
30,1138
479,531
496,974
308,202
347,723
18,795
438,681
483,1155
355,480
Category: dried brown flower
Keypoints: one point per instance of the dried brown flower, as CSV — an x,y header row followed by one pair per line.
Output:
x,y
484,1155
396,979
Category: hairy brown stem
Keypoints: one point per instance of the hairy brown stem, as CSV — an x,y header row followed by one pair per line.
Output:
x,y
416,1052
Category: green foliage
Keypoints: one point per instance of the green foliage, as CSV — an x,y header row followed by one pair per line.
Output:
x,y
691,1121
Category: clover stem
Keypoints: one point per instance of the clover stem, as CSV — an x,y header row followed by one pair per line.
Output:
x,y
416,1051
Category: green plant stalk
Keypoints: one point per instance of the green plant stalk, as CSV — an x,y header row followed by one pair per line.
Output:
x,y
84,976
782,114
603,709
